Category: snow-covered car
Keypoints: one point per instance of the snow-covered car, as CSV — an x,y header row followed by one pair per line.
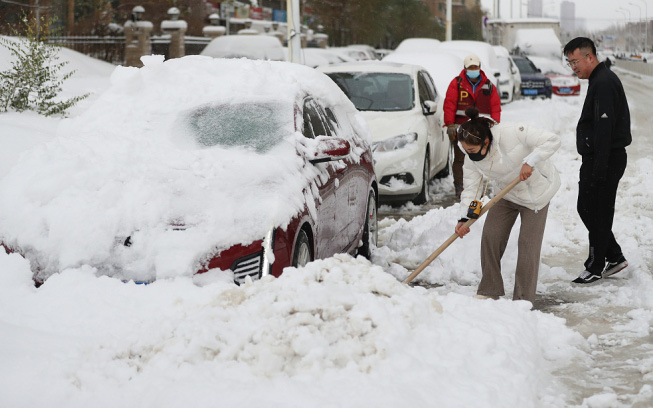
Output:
x,y
314,57
417,45
260,47
399,102
564,81
510,80
197,164
534,83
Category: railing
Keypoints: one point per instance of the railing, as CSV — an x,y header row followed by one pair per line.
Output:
x,y
112,48
109,48
639,67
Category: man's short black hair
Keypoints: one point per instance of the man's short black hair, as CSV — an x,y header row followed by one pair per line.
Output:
x,y
579,43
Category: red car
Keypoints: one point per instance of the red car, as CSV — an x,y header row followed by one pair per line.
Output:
x,y
204,164
564,85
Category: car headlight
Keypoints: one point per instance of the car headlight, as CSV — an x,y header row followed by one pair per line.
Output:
x,y
395,143
547,82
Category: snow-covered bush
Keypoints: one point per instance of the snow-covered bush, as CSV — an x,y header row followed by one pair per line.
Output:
x,y
34,80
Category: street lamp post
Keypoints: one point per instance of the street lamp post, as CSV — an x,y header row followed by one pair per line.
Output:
x,y
645,25
623,10
640,19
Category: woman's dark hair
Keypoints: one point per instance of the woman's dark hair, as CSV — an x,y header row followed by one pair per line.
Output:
x,y
476,129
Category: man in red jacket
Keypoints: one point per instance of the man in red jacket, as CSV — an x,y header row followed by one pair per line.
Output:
x,y
470,88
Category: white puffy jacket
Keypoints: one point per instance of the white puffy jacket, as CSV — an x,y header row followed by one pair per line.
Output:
x,y
515,144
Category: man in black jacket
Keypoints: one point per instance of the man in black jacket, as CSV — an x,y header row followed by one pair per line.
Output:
x,y
602,134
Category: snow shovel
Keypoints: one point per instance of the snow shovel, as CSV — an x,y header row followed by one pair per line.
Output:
x,y
452,238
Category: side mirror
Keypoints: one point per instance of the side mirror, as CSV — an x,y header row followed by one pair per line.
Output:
x,y
329,149
539,70
429,108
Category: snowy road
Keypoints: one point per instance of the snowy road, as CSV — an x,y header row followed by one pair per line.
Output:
x,y
615,317
342,332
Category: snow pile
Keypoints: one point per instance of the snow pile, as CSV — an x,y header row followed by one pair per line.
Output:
x,y
340,331
542,42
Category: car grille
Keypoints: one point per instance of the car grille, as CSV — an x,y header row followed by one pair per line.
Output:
x,y
248,266
532,84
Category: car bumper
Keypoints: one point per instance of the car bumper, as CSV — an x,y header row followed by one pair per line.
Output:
x,y
566,90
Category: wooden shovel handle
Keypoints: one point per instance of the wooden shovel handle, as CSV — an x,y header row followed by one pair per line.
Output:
x,y
469,222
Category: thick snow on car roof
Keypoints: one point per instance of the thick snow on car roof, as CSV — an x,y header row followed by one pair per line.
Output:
x,y
131,165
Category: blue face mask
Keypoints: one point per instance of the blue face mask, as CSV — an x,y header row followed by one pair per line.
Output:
x,y
473,74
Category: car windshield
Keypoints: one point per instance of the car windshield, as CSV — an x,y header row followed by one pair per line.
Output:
x,y
257,126
525,66
376,91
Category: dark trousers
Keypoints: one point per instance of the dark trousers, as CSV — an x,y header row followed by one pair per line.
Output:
x,y
596,209
457,167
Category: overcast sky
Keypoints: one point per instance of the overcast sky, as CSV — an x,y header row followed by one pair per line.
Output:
x,y
597,13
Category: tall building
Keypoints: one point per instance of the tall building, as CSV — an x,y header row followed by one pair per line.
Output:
x,y
568,16
534,8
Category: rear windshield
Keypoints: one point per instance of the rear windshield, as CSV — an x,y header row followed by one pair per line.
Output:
x,y
376,91
257,126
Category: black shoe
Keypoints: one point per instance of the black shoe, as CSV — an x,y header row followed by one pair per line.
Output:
x,y
613,267
586,278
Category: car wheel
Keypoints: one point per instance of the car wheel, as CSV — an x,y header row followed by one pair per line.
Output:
x,y
446,170
371,228
424,194
302,254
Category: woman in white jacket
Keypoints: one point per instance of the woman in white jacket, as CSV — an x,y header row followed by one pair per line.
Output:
x,y
501,154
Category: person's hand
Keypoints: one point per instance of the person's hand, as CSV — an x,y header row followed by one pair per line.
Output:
x,y
461,230
452,130
526,172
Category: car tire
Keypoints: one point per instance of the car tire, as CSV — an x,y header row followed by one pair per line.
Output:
x,y
370,229
446,170
423,195
302,253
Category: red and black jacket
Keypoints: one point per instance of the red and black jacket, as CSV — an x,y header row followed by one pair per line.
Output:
x,y
460,97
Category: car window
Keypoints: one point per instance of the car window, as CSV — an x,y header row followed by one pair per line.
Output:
x,y
431,86
332,121
426,91
257,126
376,91
313,120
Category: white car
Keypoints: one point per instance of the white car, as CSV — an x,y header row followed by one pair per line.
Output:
x,y
413,45
510,80
399,103
259,47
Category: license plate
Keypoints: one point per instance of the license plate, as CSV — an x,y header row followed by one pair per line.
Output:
x,y
565,90
530,91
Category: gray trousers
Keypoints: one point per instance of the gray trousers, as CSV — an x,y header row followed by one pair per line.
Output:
x,y
499,222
